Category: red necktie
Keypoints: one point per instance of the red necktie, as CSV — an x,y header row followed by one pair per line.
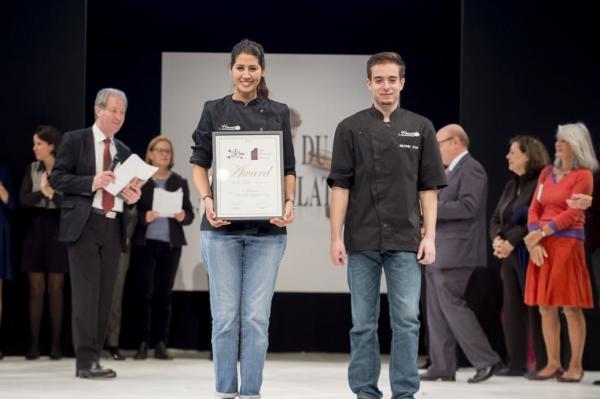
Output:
x,y
108,200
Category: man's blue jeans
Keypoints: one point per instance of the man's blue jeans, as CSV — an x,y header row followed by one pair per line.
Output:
x,y
403,278
242,269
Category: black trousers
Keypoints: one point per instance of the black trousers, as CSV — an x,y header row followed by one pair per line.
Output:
x,y
153,271
93,261
520,320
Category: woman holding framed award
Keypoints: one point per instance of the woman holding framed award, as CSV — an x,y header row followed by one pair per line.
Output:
x,y
246,139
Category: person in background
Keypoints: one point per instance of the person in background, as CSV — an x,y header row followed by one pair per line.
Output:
x,y
592,205
242,257
93,224
526,157
557,275
461,244
7,203
113,328
44,257
157,242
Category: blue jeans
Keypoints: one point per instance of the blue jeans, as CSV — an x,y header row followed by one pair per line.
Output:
x,y
242,270
403,278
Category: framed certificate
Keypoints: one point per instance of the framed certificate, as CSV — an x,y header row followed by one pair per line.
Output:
x,y
248,175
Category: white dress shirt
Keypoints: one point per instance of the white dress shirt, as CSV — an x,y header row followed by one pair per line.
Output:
x,y
99,138
456,160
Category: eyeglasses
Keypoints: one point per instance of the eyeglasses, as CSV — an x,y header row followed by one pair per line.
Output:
x,y
162,151
447,139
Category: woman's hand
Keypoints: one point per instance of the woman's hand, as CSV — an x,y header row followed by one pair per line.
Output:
x,y
538,254
179,216
211,215
496,243
3,193
503,249
288,218
151,216
532,239
45,188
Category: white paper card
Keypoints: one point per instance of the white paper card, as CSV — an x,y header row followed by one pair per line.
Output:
x,y
167,203
134,167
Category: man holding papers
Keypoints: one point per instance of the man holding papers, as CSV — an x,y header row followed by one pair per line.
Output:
x,y
92,224
162,211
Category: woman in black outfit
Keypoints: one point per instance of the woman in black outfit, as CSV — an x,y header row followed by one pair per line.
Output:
x,y
44,257
526,158
157,243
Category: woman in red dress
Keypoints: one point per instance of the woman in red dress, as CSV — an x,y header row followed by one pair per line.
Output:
x,y
557,276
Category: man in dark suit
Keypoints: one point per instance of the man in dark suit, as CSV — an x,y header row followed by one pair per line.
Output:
x,y
461,247
92,223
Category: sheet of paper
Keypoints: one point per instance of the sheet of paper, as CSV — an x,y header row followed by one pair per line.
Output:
x,y
133,168
167,203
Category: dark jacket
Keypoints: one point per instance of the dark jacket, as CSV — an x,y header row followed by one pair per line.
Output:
x,y
593,217
461,218
176,235
512,226
73,175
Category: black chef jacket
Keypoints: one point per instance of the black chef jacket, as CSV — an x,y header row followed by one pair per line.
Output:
x,y
385,165
226,114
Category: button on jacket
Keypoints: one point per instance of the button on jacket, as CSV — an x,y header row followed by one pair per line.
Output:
x,y
385,165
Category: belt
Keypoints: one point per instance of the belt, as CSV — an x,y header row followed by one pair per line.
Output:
x,y
109,214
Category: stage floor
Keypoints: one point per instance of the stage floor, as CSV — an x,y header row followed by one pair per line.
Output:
x,y
287,376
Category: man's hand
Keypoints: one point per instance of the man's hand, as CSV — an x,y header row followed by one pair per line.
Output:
x,y
102,179
538,254
211,215
426,252
337,253
131,194
288,218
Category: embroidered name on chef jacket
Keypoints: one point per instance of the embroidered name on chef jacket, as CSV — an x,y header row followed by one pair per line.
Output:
x,y
404,133
225,126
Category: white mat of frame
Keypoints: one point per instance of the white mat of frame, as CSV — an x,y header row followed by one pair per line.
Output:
x,y
287,376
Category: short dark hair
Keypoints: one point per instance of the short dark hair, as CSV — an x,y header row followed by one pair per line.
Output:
x,y
384,58
535,150
49,134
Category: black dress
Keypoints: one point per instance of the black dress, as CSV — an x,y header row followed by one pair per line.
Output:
x,y
42,252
